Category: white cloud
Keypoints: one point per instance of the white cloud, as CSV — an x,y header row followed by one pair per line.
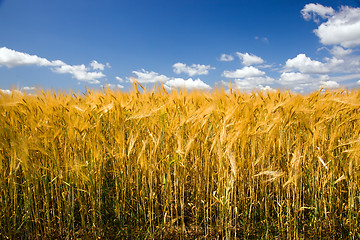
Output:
x,y
266,88
195,69
305,82
329,84
343,61
296,81
99,66
80,72
9,92
144,76
252,83
12,58
311,10
293,77
340,52
6,91
305,65
342,27
248,59
119,79
346,63
226,58
245,72
190,84
112,86
26,88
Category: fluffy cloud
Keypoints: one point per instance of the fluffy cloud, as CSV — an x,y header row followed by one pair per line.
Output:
x,y
311,10
226,58
28,91
112,86
329,84
144,76
80,72
289,78
248,59
27,88
119,79
5,91
245,72
249,78
251,83
99,66
342,27
343,62
340,52
305,82
12,58
305,65
188,84
195,69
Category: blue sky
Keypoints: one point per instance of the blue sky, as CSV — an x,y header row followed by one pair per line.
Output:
x,y
196,44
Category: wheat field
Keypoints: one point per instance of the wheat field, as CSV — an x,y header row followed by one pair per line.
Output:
x,y
180,165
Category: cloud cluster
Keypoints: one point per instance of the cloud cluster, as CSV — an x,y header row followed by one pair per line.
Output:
x,y
341,30
196,84
340,27
302,73
340,52
112,86
249,59
305,65
248,77
195,69
119,79
310,11
251,83
144,76
306,82
170,83
80,72
28,90
226,58
12,58
244,72
99,66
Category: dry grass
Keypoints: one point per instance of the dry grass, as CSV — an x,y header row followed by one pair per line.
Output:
x,y
180,165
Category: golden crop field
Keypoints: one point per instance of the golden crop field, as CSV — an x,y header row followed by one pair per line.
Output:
x,y
186,165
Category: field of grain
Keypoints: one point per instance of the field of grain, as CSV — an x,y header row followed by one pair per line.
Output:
x,y
189,165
